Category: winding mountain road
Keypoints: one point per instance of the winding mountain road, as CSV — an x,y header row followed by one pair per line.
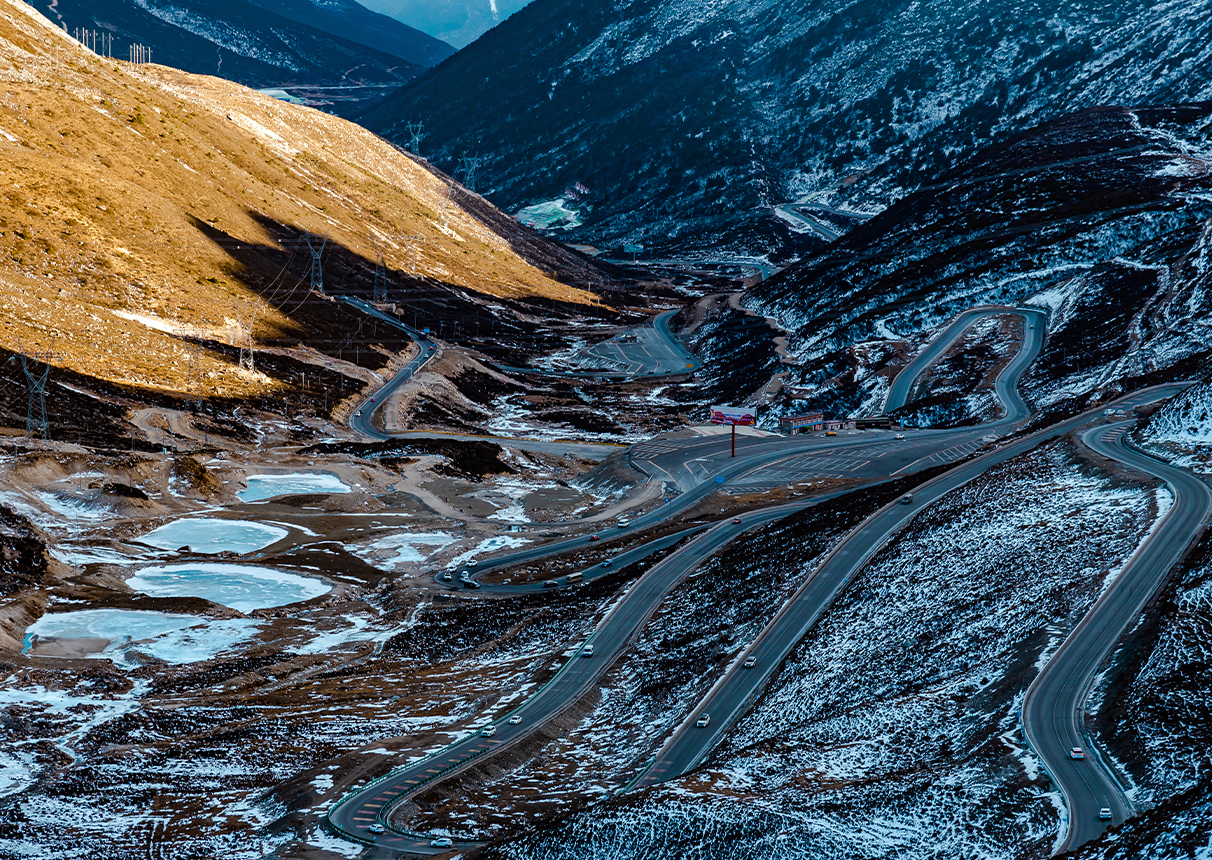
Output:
x,y
1052,712
1035,327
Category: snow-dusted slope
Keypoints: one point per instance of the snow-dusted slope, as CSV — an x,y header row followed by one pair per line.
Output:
x,y
1186,420
1100,217
682,115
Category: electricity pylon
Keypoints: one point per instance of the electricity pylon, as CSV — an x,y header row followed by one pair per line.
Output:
x,y
317,244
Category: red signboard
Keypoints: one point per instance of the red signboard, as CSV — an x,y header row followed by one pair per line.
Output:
x,y
737,416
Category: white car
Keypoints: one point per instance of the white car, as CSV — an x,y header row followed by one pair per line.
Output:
x,y
1104,814
488,731
899,436
377,828
514,720
1077,753
587,651
751,662
702,721
441,841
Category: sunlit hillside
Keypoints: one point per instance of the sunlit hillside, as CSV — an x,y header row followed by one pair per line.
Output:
x,y
125,188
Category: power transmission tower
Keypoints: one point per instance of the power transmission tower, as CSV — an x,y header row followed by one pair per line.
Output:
x,y
415,129
193,379
411,245
468,165
246,319
317,244
380,294
36,423
447,200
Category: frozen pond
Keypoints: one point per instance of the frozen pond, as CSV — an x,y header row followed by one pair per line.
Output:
x,y
206,535
109,632
397,549
262,487
242,587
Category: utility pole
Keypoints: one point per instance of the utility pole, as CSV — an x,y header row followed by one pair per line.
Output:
x,y
36,423
316,245
446,205
416,131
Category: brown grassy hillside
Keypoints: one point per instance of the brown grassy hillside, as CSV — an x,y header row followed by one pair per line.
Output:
x,y
116,182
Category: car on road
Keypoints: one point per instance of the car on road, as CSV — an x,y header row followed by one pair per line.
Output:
x,y
441,841
372,400
907,499
446,576
899,436
1077,753
736,520
470,583
594,537
623,524
431,349
751,662
359,412
703,720
472,563
587,651
1104,814
514,720
488,731
551,583
830,433
377,828
606,563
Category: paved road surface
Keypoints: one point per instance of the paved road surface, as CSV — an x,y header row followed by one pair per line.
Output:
x,y
357,812
1052,715
739,687
1035,322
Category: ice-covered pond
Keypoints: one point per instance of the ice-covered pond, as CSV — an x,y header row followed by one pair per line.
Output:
x,y
262,487
242,587
206,535
109,632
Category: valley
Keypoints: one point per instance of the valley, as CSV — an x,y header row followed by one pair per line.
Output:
x,y
836,488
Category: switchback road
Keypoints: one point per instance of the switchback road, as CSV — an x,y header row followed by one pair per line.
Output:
x,y
1052,711
1035,323
738,687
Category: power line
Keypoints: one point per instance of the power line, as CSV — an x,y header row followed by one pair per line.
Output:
x,y
468,165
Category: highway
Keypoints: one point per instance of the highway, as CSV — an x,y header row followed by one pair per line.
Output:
x,y
739,687
1035,323
1053,709
356,813
697,466
869,455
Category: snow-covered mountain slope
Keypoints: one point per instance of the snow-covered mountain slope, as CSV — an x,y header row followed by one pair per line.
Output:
x,y
262,43
1187,419
456,22
680,115
1100,217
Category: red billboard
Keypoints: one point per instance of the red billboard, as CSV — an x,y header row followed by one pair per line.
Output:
x,y
737,416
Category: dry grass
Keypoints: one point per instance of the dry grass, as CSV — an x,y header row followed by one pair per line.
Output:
x,y
104,168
